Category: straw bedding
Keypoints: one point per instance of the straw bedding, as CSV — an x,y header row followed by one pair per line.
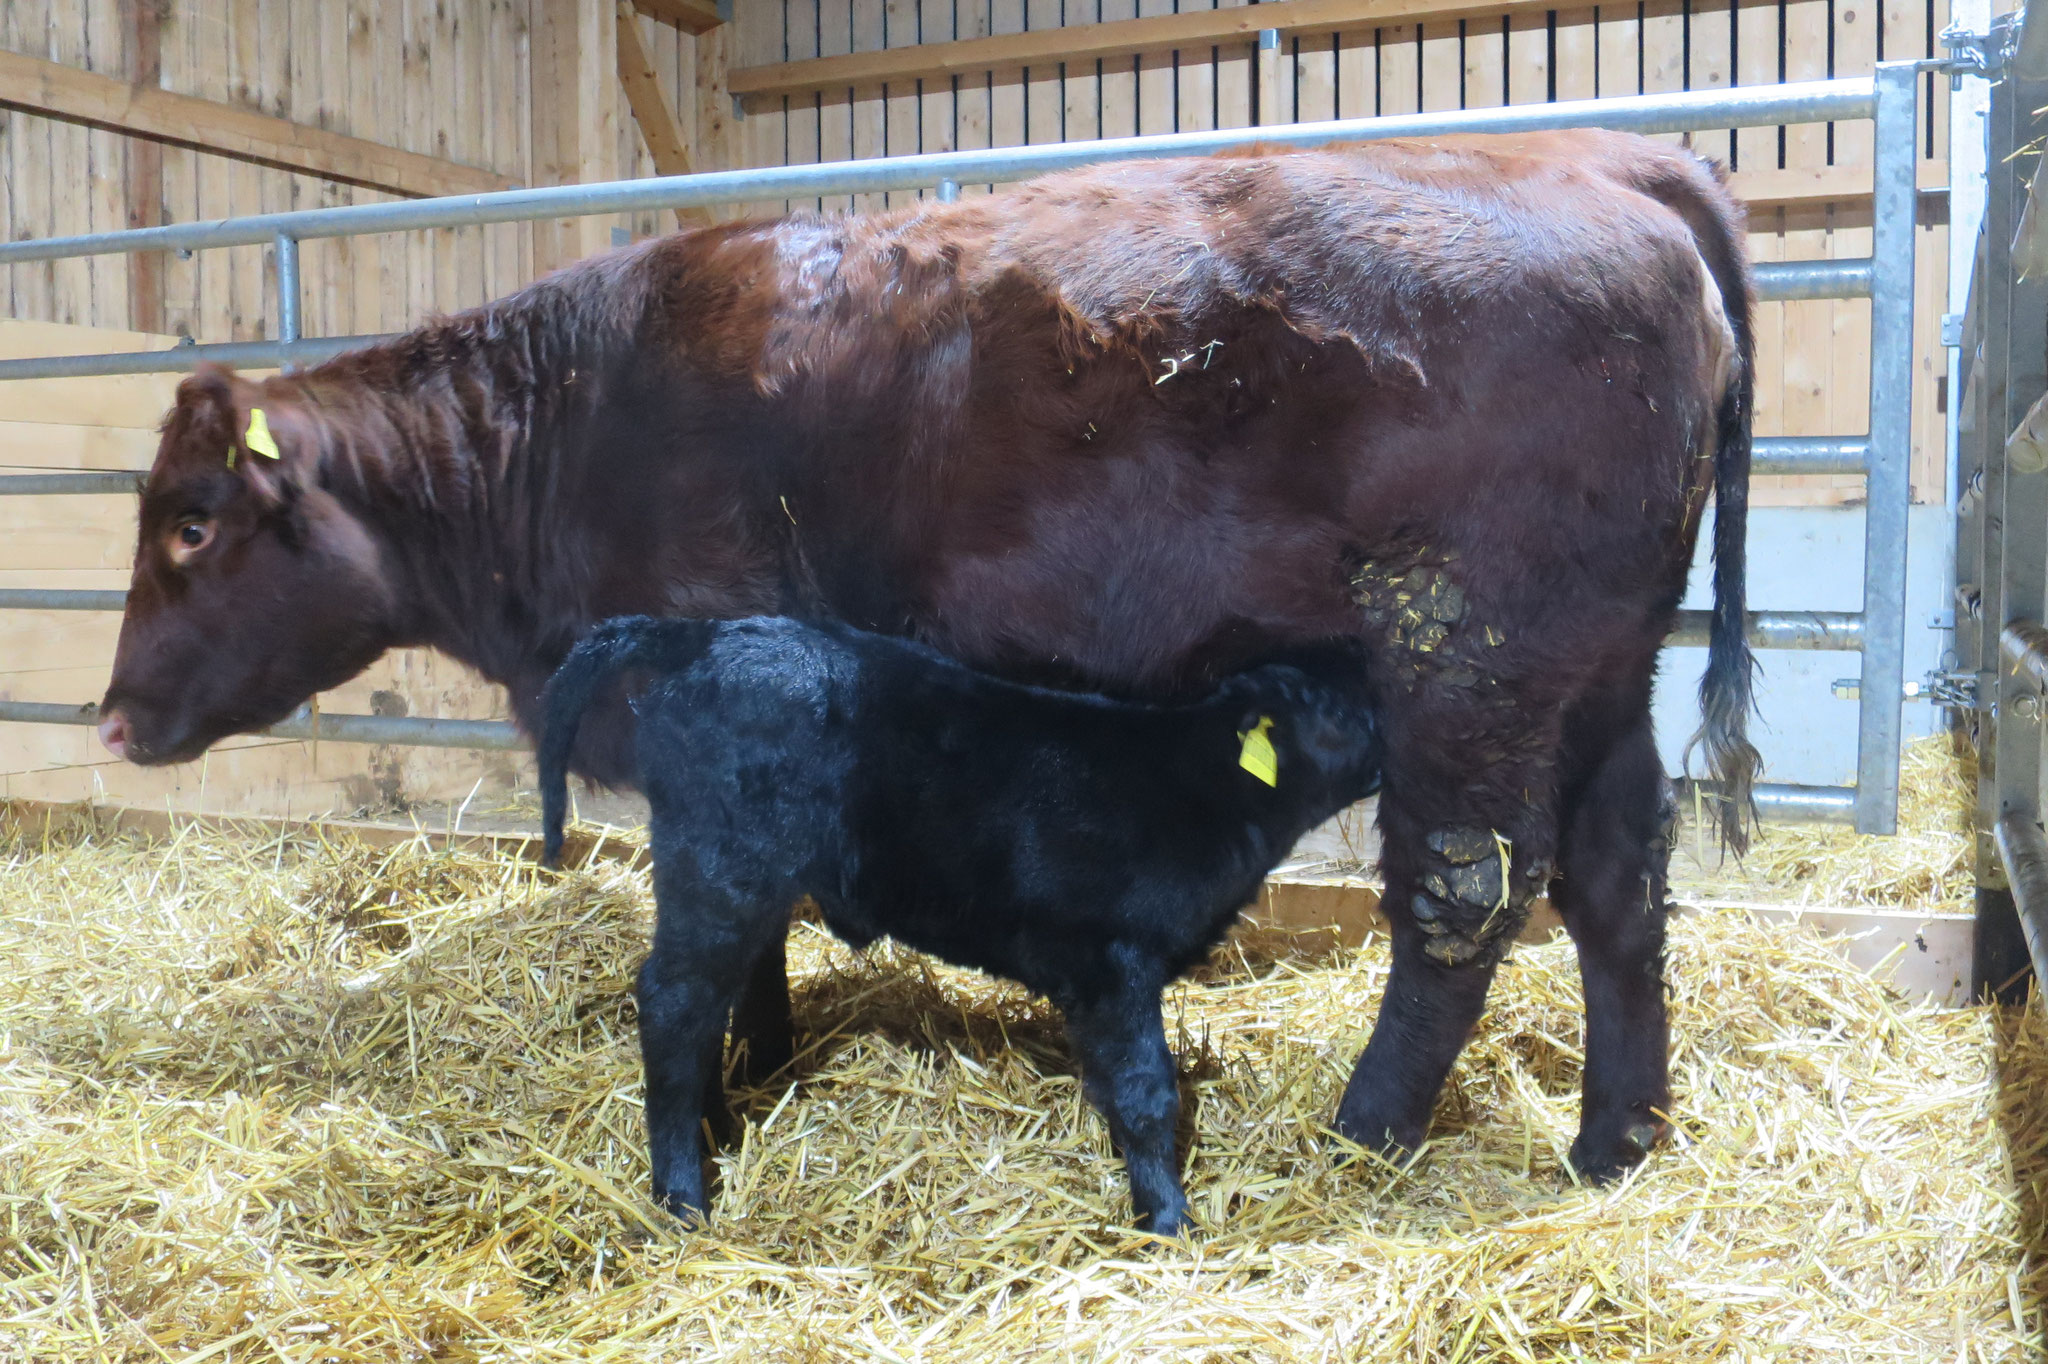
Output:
x,y
320,1102
1926,865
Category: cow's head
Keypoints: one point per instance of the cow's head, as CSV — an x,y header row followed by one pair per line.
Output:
x,y
254,587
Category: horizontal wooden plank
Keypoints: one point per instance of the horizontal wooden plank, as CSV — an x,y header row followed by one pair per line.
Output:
x,y
1819,185
67,532
41,641
54,90
135,402
77,579
691,16
579,846
29,445
1118,38
1924,955
24,338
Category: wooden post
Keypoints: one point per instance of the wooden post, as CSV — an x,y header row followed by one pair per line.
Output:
x,y
575,109
143,173
718,131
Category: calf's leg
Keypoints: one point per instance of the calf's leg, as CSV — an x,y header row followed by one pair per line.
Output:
x,y
1618,822
1128,1073
763,1038
687,988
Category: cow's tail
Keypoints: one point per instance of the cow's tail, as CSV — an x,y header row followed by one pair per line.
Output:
x,y
1726,700
607,651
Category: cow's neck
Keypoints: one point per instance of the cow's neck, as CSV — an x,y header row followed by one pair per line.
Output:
x,y
520,500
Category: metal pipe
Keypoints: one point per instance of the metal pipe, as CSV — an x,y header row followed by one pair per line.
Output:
x,y
402,730
1793,281
179,359
85,481
1776,281
949,191
1778,630
1810,455
1684,111
60,599
1806,804
1887,484
2023,646
2024,851
287,288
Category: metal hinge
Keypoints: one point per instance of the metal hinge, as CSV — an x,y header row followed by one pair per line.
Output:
x,y
1976,54
1954,690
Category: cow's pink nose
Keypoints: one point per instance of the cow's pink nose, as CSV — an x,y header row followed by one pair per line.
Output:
x,y
114,734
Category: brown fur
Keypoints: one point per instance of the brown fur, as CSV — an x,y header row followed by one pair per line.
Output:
x,y
1123,427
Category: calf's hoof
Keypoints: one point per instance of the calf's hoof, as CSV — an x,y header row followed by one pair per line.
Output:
x,y
688,1206
1172,1223
1603,1157
756,1060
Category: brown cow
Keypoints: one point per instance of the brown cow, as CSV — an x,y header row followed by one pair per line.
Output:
x,y
1122,427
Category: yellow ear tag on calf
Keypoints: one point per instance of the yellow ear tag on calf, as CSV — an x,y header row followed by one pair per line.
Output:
x,y
258,437
1257,756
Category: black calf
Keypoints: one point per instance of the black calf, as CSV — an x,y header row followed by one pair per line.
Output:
x,y
1091,849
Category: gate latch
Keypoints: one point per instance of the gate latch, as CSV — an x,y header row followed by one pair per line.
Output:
x,y
1954,690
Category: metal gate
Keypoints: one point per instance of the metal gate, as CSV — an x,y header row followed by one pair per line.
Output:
x,y
2001,575
1881,452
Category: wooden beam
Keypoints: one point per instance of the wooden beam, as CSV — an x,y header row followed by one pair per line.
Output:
x,y
574,105
658,126
143,172
581,845
1774,188
1120,38
691,16
53,90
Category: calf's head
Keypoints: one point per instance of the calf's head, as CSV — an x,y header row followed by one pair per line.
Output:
x,y
1326,732
254,587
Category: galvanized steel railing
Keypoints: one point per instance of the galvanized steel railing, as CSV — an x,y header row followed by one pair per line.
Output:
x,y
1886,278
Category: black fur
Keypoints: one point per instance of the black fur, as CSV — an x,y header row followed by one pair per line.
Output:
x,y
1091,849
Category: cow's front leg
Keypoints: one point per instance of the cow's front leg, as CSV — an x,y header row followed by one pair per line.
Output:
x,y
1468,838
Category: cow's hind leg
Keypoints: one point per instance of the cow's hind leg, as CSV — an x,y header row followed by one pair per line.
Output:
x,y
1618,822
1468,836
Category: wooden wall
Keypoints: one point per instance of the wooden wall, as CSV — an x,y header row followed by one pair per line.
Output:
x,y
65,656
447,78
1814,357
456,79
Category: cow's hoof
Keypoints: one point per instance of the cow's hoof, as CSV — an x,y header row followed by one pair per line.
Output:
x,y
1604,1161
1397,1143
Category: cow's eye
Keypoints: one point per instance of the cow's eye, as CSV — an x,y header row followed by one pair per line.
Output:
x,y
189,538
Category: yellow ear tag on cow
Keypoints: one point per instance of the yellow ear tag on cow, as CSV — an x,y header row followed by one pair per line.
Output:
x,y
1257,756
258,437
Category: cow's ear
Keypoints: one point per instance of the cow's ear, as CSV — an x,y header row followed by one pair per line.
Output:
x,y
222,419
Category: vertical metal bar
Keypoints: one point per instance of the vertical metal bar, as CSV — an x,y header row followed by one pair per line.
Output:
x,y
1969,102
288,291
1888,486
949,191
1999,948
